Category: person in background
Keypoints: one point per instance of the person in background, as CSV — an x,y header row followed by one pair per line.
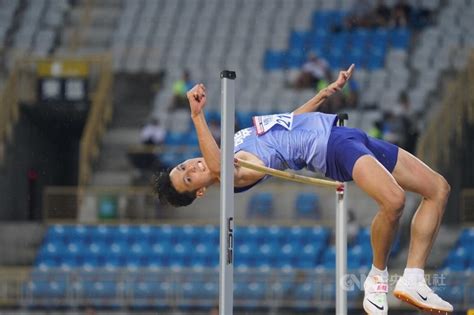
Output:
x,y
214,310
352,227
405,117
180,88
314,70
360,15
153,133
401,14
382,14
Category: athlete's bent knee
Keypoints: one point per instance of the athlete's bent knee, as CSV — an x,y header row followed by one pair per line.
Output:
x,y
393,205
444,187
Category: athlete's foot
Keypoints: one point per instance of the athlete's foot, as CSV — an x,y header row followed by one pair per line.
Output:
x,y
421,296
375,295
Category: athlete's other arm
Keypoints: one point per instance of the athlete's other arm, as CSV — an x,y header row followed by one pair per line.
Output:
x,y
316,101
208,145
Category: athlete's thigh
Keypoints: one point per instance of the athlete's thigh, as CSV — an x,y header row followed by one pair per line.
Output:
x,y
414,175
373,178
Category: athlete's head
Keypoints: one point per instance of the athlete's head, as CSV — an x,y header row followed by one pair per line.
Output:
x,y
185,182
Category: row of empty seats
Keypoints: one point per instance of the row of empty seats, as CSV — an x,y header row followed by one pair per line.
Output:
x,y
90,247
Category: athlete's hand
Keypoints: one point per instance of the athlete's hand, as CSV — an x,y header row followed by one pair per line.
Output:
x,y
197,99
341,80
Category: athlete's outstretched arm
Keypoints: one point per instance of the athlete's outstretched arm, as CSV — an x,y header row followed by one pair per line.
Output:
x,y
207,144
316,101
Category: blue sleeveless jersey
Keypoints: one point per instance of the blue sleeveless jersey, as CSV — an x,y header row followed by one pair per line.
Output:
x,y
305,145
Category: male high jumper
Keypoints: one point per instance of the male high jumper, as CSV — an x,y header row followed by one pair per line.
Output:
x,y
312,140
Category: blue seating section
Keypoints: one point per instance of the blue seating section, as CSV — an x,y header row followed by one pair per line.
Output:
x,y
461,257
166,246
364,47
148,252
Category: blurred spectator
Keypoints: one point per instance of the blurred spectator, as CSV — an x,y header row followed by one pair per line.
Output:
x,y
350,94
214,310
313,71
376,130
391,128
153,133
352,227
401,13
407,121
180,87
382,14
360,15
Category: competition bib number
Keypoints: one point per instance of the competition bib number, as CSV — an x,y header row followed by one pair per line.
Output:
x,y
264,123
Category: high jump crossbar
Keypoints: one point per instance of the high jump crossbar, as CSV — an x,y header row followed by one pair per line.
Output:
x,y
226,263
288,175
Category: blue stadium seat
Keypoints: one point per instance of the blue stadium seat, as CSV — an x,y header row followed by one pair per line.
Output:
x,y
319,235
454,294
308,257
295,59
339,41
379,38
329,258
356,56
245,252
260,205
190,234
169,158
210,235
117,249
244,119
274,234
274,60
457,260
354,257
319,41
287,255
210,290
359,39
327,20
307,205
141,233
191,139
99,289
47,289
335,59
466,239
102,233
400,38
169,233
298,40
363,237
175,138
305,291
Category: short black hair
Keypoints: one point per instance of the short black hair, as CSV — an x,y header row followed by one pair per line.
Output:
x,y
167,193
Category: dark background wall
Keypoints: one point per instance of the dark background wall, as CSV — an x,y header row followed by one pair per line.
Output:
x,y
43,151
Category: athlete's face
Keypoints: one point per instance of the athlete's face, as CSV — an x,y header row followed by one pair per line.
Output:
x,y
192,175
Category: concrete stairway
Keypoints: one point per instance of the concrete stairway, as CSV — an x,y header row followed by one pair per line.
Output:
x,y
132,107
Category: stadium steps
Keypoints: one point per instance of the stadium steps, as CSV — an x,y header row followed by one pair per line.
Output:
x,y
19,243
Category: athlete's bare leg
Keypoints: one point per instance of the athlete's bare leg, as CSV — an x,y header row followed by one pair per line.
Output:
x,y
413,175
379,184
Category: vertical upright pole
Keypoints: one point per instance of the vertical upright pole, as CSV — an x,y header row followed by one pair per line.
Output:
x,y
341,243
341,252
226,263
